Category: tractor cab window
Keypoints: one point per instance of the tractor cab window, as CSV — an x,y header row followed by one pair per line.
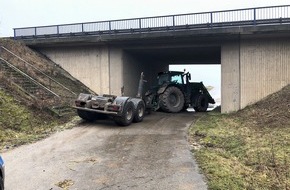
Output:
x,y
177,79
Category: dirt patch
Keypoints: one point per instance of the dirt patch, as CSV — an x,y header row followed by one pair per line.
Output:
x,y
65,184
273,111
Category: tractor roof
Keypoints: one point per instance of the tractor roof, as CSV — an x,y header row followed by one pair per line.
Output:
x,y
171,73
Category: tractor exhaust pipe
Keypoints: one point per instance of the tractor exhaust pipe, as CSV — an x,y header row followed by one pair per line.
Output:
x,y
140,87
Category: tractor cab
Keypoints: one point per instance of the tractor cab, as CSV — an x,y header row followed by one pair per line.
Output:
x,y
174,77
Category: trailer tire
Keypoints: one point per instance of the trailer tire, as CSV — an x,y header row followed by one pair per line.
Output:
x,y
201,103
139,112
172,100
88,116
127,115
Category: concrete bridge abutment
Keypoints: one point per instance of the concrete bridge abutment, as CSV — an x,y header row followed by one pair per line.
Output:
x,y
253,68
252,65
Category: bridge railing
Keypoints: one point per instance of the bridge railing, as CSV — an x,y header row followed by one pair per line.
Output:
x,y
227,18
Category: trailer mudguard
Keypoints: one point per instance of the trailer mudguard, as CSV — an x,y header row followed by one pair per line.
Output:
x,y
121,100
135,101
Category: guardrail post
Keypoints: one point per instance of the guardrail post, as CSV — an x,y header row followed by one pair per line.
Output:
x,y
14,34
57,29
35,31
82,27
255,22
140,23
173,22
110,26
211,20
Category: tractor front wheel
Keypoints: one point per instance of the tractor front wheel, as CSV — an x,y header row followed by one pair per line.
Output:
x,y
201,104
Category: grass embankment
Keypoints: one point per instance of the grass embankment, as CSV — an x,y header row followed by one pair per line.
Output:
x,y
24,119
249,149
20,124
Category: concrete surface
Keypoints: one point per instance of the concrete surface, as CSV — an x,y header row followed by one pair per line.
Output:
x,y
153,154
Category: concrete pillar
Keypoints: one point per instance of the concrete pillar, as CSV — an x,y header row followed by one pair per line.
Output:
x,y
230,84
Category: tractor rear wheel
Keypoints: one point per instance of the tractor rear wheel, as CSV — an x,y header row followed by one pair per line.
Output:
x,y
201,104
172,100
127,115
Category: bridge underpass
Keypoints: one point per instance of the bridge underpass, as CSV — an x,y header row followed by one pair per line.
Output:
x,y
157,59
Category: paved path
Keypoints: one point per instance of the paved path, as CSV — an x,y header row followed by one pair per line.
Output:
x,y
153,154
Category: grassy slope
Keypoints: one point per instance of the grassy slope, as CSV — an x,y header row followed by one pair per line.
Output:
x,y
21,120
249,149
20,124
43,64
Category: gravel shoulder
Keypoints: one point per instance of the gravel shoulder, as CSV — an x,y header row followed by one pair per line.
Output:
x,y
153,154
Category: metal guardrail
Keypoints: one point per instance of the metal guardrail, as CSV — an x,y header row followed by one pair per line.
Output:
x,y
227,18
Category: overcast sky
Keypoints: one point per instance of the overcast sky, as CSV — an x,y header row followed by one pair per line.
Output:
x,y
25,13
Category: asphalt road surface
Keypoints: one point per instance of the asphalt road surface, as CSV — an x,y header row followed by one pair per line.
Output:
x,y
153,154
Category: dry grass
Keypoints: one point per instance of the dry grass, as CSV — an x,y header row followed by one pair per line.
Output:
x,y
249,149
25,119
20,124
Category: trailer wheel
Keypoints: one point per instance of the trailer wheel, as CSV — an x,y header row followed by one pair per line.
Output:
x,y
201,103
127,115
172,100
139,112
88,116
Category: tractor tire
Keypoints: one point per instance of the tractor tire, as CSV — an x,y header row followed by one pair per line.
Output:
x,y
201,103
139,112
127,115
172,100
88,116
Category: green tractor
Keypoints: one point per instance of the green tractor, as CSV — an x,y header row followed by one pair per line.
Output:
x,y
175,93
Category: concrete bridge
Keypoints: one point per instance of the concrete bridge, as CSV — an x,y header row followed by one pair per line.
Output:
x,y
252,46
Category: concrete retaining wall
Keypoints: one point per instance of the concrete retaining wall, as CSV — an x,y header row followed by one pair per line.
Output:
x,y
265,68
98,67
253,69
